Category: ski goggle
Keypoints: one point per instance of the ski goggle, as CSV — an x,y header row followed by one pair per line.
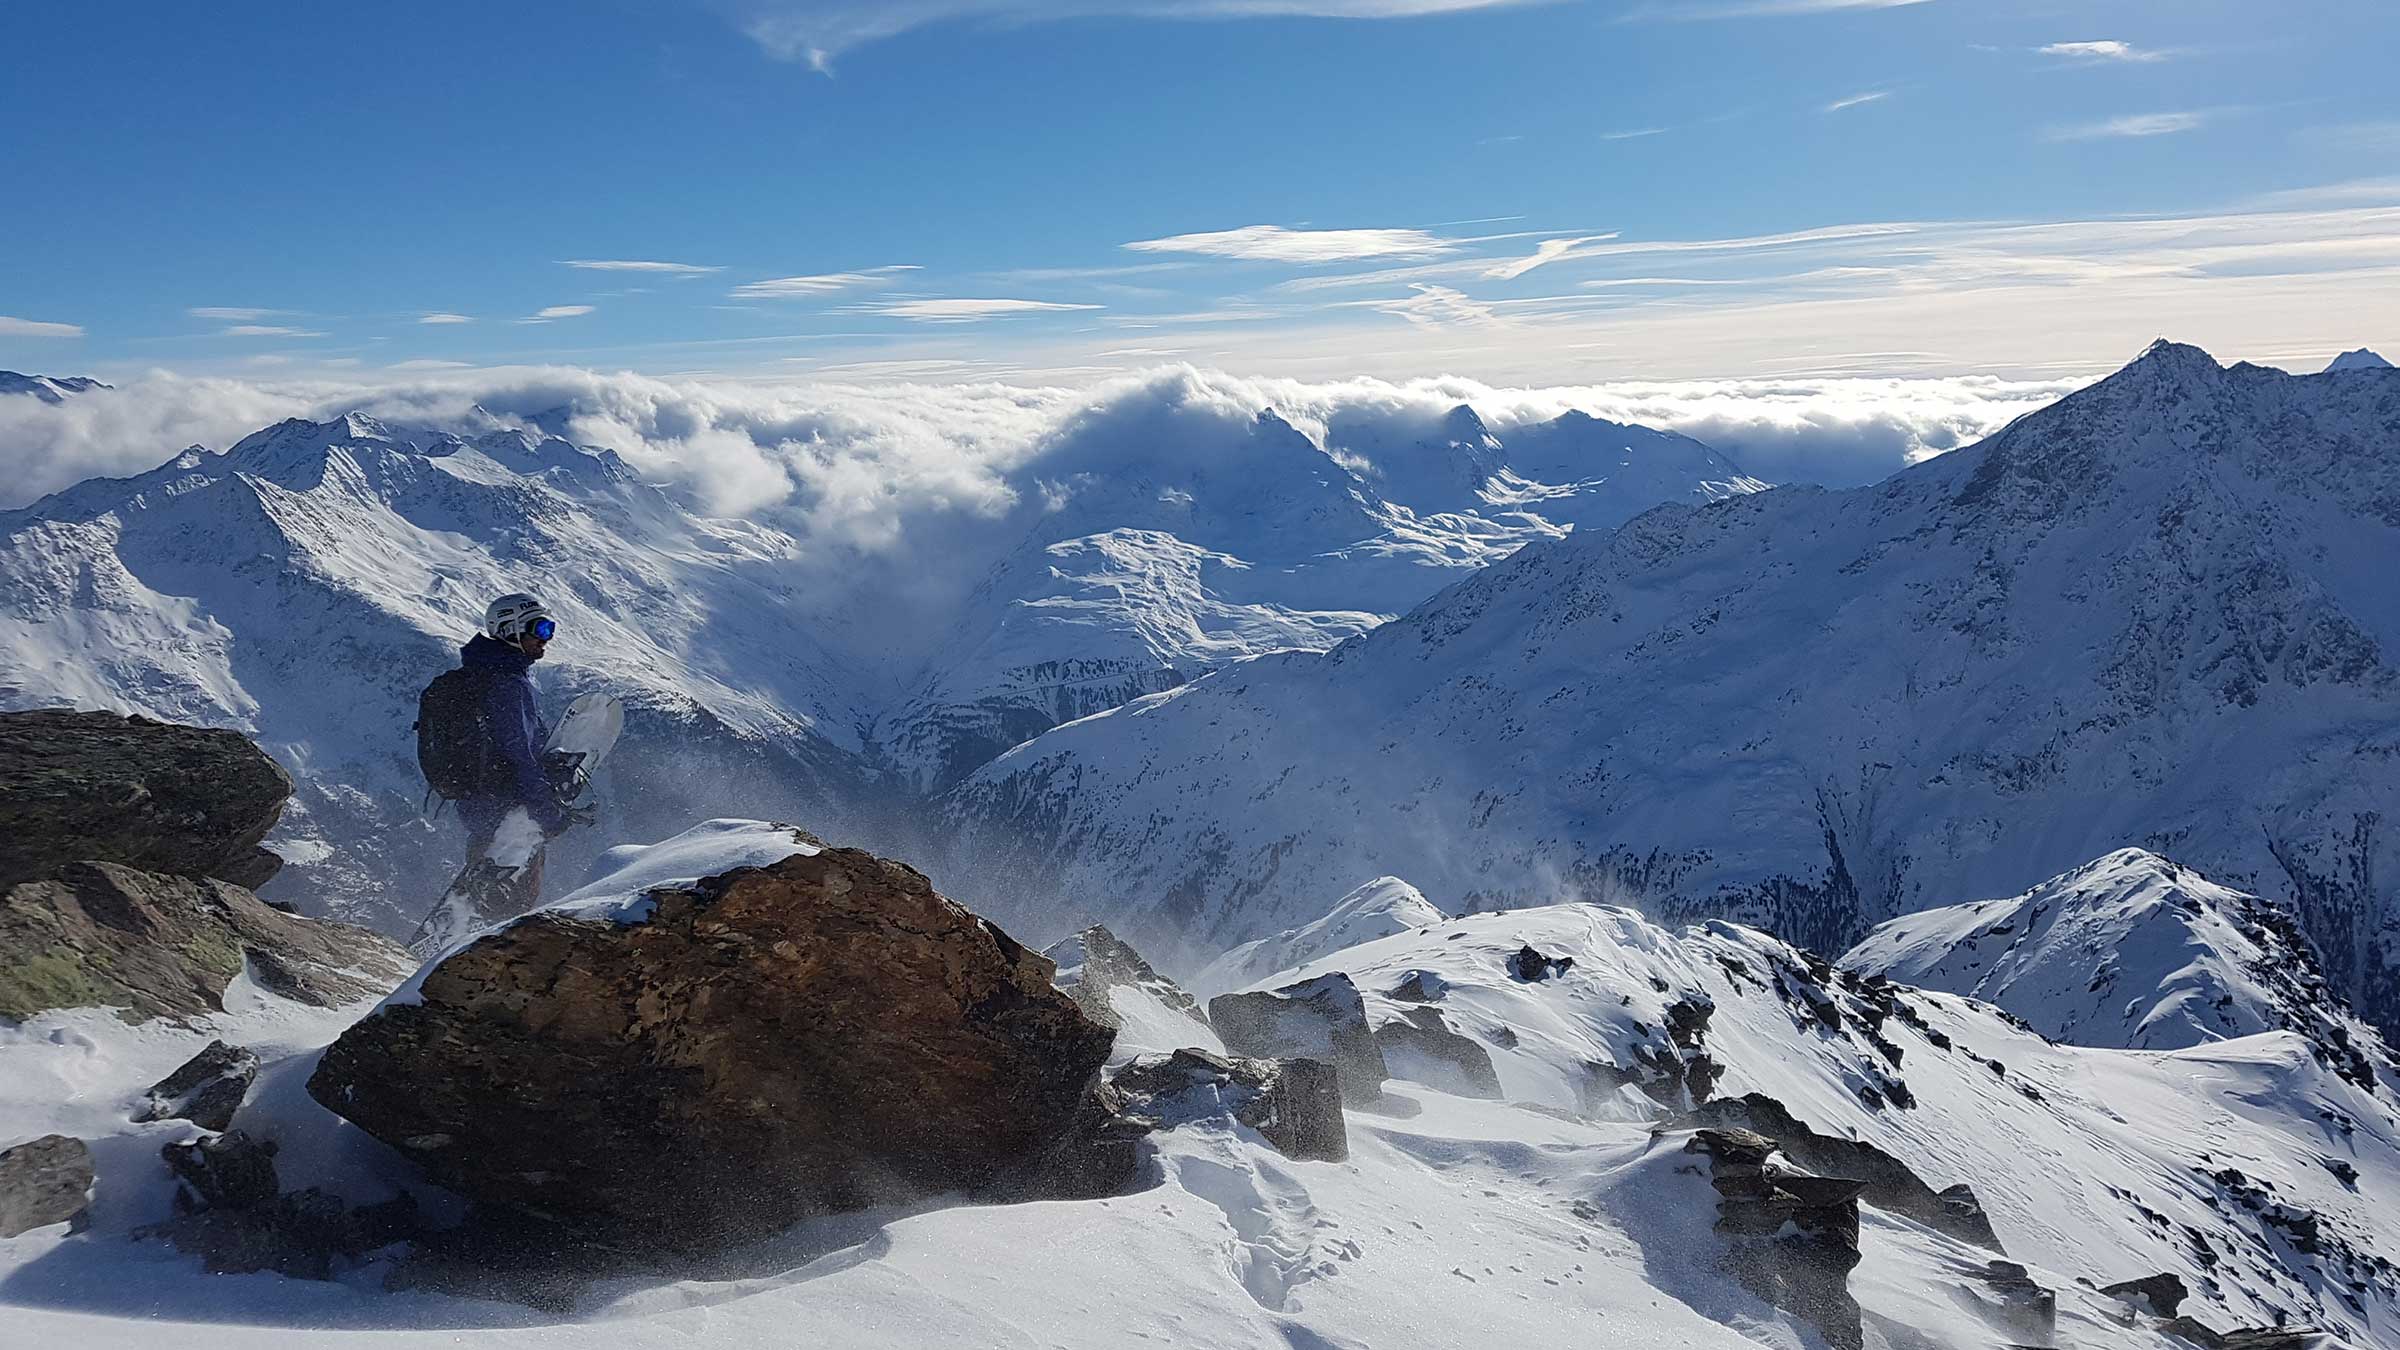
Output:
x,y
541,630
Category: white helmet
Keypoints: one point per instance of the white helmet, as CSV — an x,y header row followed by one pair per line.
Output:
x,y
512,616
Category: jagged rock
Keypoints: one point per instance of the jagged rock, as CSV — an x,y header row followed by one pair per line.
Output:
x,y
78,786
103,935
1419,986
2159,1295
826,1033
1529,965
226,1171
1096,961
2244,1338
206,1091
301,1234
1421,1047
1296,1104
44,1181
1795,1235
2012,1301
1889,1184
1322,1019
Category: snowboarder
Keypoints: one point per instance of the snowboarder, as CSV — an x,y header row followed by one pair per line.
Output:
x,y
517,630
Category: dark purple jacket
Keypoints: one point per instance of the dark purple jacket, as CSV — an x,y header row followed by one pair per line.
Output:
x,y
513,717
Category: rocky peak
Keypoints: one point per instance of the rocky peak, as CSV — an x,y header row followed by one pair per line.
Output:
x,y
2358,359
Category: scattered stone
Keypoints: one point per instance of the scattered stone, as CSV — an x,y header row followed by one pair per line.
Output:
x,y
1531,966
1419,986
2158,1295
83,786
1421,1047
225,1171
2017,1306
1889,1184
1095,961
1323,1019
820,1035
98,934
1296,1104
206,1091
1795,1235
44,1181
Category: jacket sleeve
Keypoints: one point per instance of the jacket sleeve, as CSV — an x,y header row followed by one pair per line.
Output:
x,y
515,731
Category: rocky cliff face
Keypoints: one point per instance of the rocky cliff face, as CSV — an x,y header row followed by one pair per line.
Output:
x,y
189,801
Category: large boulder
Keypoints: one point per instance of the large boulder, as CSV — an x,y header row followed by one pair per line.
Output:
x,y
187,801
1322,1019
44,1181
1888,1183
98,934
206,1091
721,1060
1294,1104
1793,1235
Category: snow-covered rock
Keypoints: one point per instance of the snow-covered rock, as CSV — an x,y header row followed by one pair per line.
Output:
x,y
2133,951
2153,614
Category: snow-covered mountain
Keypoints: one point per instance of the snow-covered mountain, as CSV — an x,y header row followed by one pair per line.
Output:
x,y
2132,951
1380,908
47,388
303,585
2156,613
2358,359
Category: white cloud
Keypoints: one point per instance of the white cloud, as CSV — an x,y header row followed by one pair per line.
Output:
x,y
1548,251
2135,125
965,311
444,318
816,31
1634,135
1858,100
1436,307
35,328
1274,243
2103,52
233,314
269,330
557,312
1746,9
429,365
826,283
635,265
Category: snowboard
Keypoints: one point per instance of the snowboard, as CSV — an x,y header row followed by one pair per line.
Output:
x,y
494,880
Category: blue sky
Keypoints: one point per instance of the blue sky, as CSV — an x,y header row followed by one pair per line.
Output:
x,y
1540,192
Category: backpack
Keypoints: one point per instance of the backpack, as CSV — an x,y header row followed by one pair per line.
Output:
x,y
453,746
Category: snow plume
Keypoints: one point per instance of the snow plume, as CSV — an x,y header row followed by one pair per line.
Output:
x,y
865,466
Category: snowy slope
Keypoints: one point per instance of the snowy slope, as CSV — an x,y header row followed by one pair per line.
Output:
x,y
1380,908
1454,1222
47,388
2132,951
305,584
2358,359
2156,614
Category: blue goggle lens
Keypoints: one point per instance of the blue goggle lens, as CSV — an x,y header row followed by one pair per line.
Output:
x,y
541,630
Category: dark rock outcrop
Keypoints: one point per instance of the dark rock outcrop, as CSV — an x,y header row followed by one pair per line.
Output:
x,y
1420,1046
232,1213
83,786
2159,1295
1323,1019
206,1091
1888,1183
1795,1236
100,934
1096,961
2011,1301
1295,1104
1531,966
823,1034
2245,1338
44,1181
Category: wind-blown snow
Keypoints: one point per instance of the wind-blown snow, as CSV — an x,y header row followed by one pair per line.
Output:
x,y
1379,908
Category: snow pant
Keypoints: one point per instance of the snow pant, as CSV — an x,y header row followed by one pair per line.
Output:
x,y
493,888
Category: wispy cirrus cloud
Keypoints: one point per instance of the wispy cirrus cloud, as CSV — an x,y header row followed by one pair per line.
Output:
x,y
11,326
965,310
1747,9
555,312
638,265
1858,100
1635,134
816,31
822,283
1275,243
234,313
269,330
2103,52
1544,253
2136,125
444,317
